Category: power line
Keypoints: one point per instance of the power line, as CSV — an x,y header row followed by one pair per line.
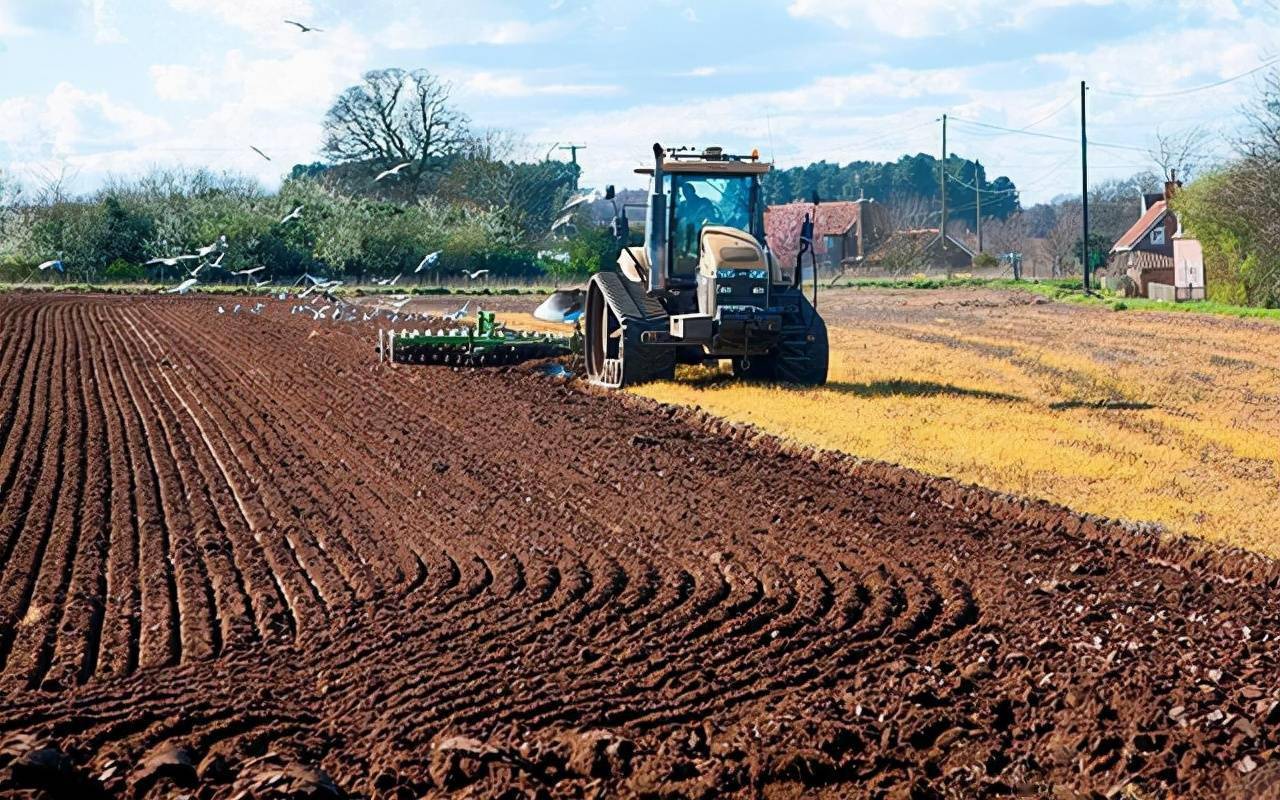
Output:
x,y
1193,89
1039,135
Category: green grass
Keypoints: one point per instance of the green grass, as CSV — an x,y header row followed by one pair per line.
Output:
x,y
1066,290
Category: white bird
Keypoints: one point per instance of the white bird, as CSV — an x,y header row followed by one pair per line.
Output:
x,y
183,287
292,215
259,152
387,173
56,264
235,309
258,308
204,251
193,273
399,304
428,261
471,276
168,262
262,282
248,271
303,28
388,281
460,314
221,310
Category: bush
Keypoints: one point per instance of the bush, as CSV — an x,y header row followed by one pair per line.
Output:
x,y
121,271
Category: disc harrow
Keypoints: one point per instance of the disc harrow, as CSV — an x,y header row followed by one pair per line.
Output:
x,y
484,344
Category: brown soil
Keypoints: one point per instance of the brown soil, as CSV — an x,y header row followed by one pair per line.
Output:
x,y
240,559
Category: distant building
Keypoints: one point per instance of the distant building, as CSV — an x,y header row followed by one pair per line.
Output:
x,y
1145,253
921,250
844,232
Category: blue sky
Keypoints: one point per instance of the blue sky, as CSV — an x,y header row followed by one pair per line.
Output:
x,y
99,87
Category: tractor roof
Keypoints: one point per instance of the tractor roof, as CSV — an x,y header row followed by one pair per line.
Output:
x,y
704,166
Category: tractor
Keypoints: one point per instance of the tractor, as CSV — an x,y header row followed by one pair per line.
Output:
x,y
704,286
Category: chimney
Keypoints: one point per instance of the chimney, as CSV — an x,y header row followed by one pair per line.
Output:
x,y
1172,185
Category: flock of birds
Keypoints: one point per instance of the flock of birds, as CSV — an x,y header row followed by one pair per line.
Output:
x,y
325,304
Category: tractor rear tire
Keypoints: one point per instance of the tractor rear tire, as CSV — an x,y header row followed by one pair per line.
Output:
x,y
803,354
615,318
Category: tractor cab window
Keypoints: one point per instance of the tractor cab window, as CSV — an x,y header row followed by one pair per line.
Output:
x,y
701,200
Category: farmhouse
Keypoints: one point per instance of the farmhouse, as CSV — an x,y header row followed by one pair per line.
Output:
x,y
844,231
1145,252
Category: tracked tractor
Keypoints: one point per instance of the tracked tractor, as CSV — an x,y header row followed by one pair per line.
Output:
x,y
704,287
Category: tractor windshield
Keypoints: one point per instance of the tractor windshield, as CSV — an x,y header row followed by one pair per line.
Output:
x,y
701,200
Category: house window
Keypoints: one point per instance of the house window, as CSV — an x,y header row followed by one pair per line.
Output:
x,y
1157,236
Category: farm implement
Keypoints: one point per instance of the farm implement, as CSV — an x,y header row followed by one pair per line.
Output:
x,y
487,343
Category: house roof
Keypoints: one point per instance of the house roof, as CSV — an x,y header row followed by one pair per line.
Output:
x,y
782,224
1154,216
933,234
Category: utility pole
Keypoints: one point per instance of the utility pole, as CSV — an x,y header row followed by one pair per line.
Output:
x,y
942,181
977,187
573,158
1084,185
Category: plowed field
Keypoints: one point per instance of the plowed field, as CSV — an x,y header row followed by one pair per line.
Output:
x,y
241,559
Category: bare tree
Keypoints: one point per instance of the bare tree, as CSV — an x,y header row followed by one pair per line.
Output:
x,y
1180,155
1062,243
1004,236
906,250
393,117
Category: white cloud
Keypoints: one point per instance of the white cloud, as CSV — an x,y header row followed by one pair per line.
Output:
x,y
920,18
415,32
489,84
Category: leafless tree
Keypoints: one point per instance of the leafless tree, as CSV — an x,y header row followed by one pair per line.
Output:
x,y
394,116
1062,243
906,250
1003,236
1180,155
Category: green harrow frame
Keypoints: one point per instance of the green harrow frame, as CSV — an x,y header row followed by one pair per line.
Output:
x,y
484,344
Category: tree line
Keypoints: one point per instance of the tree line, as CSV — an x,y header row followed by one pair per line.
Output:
x,y
472,195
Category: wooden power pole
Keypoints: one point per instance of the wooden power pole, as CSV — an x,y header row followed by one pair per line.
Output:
x,y
942,182
1084,186
977,191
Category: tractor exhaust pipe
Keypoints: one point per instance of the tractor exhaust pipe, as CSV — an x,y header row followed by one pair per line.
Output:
x,y
655,229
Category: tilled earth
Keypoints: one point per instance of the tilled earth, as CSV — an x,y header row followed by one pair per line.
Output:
x,y
241,559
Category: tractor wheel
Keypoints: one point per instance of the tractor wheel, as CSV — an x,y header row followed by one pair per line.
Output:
x,y
614,322
802,355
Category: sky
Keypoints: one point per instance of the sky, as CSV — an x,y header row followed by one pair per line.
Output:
x,y
95,88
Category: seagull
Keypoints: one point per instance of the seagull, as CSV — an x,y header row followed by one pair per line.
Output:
x,y
183,287
303,28
399,304
205,251
221,310
292,215
388,281
56,264
471,276
387,173
257,308
259,152
168,262
261,283
236,309
193,273
460,314
428,261
248,271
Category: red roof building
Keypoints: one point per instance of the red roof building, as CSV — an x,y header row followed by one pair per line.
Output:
x,y
843,231
1145,252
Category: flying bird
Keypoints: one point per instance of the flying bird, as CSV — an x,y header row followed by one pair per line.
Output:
x,y
168,262
454,316
387,173
292,215
471,276
249,271
428,261
183,287
259,152
204,251
399,304
55,264
388,281
303,28
261,283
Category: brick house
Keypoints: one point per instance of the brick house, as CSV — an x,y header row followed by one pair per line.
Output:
x,y
844,232
1145,252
